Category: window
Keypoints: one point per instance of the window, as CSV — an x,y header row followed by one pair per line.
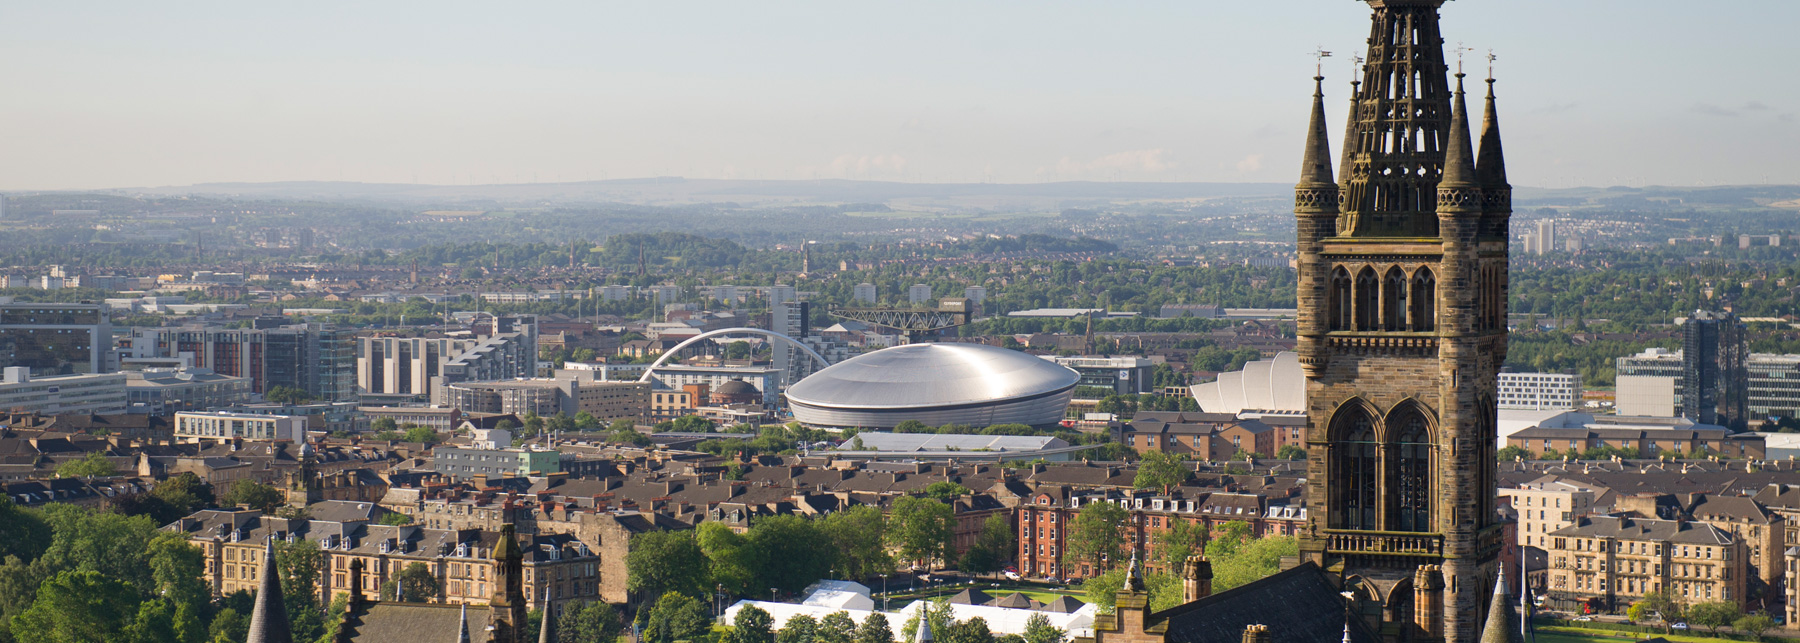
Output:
x,y
1424,301
1356,470
1411,476
1367,300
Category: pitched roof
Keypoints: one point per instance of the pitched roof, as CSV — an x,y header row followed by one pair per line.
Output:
x,y
1300,605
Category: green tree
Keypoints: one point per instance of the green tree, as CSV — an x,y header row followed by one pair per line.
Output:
x,y
1039,630
789,552
1183,539
836,627
1664,604
945,490
874,630
298,563
1161,470
77,607
1511,453
287,395
1637,612
974,630
420,434
676,617
937,614
728,557
1754,625
92,466
752,625
1714,615
421,584
383,424
1238,557
394,518
665,561
228,626
857,536
23,532
921,529
113,545
585,421
254,495
1094,535
799,628
993,546
588,622
1290,452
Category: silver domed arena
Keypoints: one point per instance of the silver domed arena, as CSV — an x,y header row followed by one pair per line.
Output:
x,y
937,384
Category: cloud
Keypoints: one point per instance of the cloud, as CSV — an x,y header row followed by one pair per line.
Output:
x,y
1755,106
1250,163
1705,109
1557,108
1140,161
1785,118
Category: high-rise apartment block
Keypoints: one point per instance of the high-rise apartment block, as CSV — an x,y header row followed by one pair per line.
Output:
x,y
1539,391
864,293
1715,370
501,347
56,339
319,359
918,294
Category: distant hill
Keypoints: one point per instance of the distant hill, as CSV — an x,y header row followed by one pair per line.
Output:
x,y
675,190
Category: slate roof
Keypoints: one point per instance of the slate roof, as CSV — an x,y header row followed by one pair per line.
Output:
x,y
422,622
1646,529
1300,605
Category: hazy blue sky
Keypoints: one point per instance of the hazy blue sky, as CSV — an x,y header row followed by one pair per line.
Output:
x,y
108,94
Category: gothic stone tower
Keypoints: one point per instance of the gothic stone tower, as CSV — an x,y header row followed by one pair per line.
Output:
x,y
1402,331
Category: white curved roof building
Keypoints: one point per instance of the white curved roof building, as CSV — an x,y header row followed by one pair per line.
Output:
x,y
936,384
1263,385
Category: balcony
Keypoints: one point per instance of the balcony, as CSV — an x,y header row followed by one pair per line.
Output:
x,y
1383,344
1383,543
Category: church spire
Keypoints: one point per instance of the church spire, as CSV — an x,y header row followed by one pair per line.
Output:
x,y
1459,155
545,628
1501,626
1490,167
1315,166
269,619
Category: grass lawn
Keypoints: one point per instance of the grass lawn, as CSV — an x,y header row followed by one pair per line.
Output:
x,y
1555,634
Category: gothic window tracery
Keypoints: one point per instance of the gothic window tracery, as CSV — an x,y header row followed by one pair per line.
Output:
x,y
1357,461
1339,301
1393,300
1424,301
1367,300
1410,481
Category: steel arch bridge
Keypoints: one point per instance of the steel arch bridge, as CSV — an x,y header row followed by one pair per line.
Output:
x,y
672,352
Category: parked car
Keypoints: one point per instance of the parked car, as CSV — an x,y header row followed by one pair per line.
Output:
x,y
1679,626
1583,618
1012,575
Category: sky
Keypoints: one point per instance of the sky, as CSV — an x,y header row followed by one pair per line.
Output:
x,y
102,94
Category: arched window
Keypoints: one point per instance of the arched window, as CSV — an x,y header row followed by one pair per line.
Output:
x,y
1367,300
1393,300
1339,302
1354,481
1424,301
1409,481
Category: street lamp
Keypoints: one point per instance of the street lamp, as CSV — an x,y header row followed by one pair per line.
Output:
x,y
771,594
884,593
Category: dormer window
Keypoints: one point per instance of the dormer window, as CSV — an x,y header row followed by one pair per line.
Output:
x,y
292,538
387,546
462,550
